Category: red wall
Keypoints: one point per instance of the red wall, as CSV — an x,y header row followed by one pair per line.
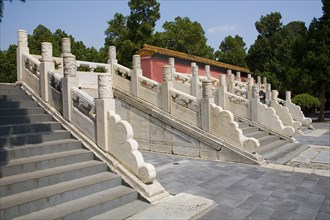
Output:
x,y
152,68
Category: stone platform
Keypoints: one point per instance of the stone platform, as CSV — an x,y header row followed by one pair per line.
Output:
x,y
252,192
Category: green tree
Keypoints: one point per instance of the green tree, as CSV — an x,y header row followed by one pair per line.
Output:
x,y
277,52
317,56
129,33
232,50
184,35
8,65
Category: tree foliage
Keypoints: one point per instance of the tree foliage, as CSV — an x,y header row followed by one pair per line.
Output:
x,y
8,65
129,33
232,50
185,36
306,101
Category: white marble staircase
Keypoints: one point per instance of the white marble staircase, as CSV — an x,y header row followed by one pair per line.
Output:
x,y
273,148
47,174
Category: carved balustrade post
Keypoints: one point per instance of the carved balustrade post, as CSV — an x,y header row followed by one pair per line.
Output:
x,y
259,81
69,80
171,62
166,85
287,98
136,73
104,103
208,72
264,80
230,81
206,101
222,89
194,83
22,48
238,77
249,88
268,94
112,59
47,64
254,103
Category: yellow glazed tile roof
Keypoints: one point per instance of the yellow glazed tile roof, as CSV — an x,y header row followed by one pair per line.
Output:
x,y
149,50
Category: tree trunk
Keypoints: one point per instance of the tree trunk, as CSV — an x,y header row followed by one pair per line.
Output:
x,y
322,102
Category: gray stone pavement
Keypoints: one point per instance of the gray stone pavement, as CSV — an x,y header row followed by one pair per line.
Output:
x,y
246,191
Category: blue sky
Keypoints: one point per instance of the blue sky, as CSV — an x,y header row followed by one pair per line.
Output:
x,y
87,20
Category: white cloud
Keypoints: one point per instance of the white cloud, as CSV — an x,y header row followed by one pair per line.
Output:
x,y
222,28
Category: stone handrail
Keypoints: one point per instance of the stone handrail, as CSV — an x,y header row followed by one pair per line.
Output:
x,y
32,64
184,99
149,84
121,69
84,102
184,78
222,125
295,111
283,112
92,65
267,116
55,80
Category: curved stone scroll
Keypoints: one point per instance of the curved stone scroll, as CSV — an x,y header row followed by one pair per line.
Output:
x,y
267,116
123,147
224,127
283,112
297,114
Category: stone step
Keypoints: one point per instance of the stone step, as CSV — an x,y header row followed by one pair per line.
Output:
x,y
242,124
268,139
257,134
29,181
33,138
29,128
15,97
21,111
12,91
31,201
249,129
124,211
41,162
291,154
271,146
4,120
18,104
281,151
49,147
88,206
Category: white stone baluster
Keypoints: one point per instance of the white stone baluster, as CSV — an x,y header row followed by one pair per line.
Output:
x,y
104,103
136,73
166,85
46,65
21,49
254,103
69,80
194,84
230,82
206,102
171,62
238,77
222,91
207,72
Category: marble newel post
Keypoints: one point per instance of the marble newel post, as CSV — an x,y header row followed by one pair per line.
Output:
x,y
194,84
238,77
136,73
104,103
222,89
206,101
166,85
171,62
230,81
69,80
46,65
208,72
22,48
254,103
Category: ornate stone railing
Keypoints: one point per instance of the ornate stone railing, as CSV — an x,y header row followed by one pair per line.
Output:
x,y
89,115
295,111
91,66
283,113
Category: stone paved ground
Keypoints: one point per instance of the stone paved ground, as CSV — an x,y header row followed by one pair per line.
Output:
x,y
245,191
